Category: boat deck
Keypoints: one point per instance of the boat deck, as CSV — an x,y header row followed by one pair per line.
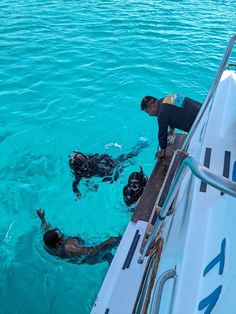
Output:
x,y
144,208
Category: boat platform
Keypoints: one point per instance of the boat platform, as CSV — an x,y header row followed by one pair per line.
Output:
x,y
121,284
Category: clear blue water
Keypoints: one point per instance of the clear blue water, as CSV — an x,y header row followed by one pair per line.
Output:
x,y
72,74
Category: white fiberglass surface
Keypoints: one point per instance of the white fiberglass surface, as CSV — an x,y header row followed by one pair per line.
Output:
x,y
203,284
201,239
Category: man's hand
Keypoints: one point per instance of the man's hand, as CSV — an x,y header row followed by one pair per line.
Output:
x,y
41,213
161,153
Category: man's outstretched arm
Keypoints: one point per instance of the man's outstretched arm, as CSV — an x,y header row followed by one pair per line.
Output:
x,y
111,242
93,250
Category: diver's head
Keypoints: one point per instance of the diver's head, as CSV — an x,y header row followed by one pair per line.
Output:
x,y
149,104
136,181
52,237
79,162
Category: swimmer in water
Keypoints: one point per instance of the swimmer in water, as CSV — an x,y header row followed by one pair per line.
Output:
x,y
96,165
74,248
134,189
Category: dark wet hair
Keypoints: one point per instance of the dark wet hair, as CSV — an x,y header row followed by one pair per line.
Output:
x,y
78,161
146,100
51,238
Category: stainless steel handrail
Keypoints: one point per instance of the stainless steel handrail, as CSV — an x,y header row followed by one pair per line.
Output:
x,y
210,93
156,302
204,174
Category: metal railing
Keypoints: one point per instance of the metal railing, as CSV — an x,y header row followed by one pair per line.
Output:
x,y
204,174
210,93
158,289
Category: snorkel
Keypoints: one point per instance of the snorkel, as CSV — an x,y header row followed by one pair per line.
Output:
x,y
141,170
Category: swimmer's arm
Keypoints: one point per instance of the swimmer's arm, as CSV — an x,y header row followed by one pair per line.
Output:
x,y
41,214
93,250
73,250
75,188
96,249
105,179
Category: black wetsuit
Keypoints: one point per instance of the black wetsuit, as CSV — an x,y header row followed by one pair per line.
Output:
x,y
104,166
175,111
99,166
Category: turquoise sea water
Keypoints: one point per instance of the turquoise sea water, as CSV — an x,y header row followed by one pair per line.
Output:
x,y
72,75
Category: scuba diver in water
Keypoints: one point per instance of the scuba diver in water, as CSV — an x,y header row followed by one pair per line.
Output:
x,y
134,189
74,248
104,166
